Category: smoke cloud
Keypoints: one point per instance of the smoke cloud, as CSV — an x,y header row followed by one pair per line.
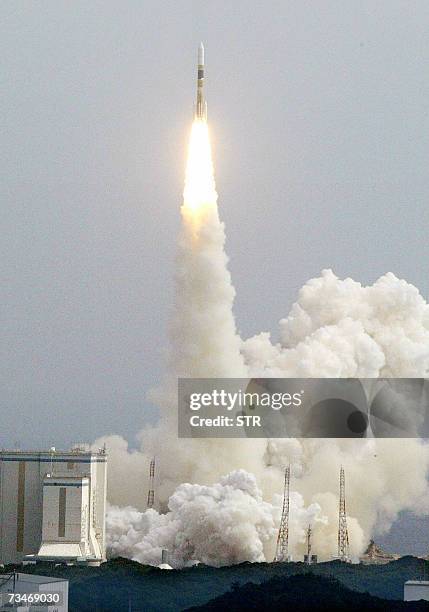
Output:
x,y
219,501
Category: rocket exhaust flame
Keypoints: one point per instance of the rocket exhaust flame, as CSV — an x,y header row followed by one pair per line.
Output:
x,y
200,190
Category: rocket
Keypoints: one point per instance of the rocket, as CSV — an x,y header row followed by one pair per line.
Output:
x,y
201,104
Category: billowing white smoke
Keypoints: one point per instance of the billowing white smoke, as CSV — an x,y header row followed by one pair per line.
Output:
x,y
337,328
356,336
221,524
204,338
224,523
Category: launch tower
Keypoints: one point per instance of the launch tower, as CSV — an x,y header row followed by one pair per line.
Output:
x,y
283,536
343,535
151,491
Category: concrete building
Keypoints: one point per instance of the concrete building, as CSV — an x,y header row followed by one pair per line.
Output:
x,y
52,506
54,590
414,590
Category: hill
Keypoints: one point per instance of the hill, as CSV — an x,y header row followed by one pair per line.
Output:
x,y
112,585
300,593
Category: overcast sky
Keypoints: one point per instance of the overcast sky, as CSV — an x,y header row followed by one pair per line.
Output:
x,y
319,119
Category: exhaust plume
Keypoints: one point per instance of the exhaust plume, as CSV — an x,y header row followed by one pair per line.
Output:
x,y
220,500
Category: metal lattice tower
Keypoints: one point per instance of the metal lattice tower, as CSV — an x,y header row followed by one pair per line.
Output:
x,y
283,536
343,535
309,544
151,492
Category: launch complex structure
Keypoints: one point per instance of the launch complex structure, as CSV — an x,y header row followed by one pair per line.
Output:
x,y
282,548
151,491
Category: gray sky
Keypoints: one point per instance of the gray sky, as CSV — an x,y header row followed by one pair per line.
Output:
x,y
319,119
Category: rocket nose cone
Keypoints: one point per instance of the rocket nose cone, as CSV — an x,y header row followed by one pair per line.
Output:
x,y
201,53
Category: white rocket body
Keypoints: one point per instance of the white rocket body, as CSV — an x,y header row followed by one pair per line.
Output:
x,y
201,104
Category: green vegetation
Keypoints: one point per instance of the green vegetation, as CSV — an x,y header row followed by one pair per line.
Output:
x,y
112,585
301,593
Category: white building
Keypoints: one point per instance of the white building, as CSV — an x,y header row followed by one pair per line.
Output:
x,y
52,506
414,590
16,588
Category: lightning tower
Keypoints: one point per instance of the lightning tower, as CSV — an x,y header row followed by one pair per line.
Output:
x,y
151,492
343,535
307,557
283,536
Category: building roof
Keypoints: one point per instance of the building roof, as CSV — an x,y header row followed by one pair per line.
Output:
x,y
47,456
61,550
35,578
72,452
